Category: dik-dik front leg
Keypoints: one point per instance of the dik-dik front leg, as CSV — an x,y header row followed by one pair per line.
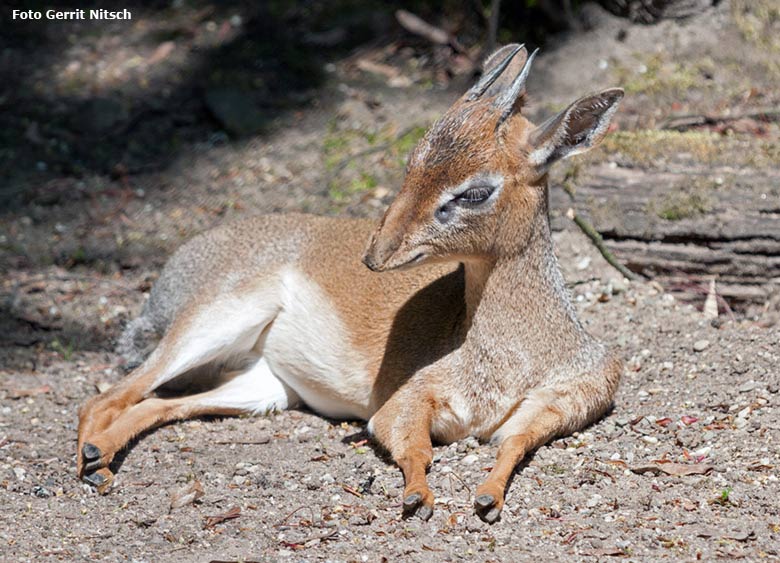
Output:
x,y
543,414
403,426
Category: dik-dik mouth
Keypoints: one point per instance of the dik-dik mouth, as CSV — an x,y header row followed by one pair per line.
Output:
x,y
419,257
391,264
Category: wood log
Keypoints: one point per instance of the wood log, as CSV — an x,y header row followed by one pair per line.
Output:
x,y
686,227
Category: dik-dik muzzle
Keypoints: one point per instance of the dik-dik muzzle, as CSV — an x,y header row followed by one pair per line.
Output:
x,y
394,244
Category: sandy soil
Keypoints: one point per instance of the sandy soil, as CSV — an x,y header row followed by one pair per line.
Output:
x,y
685,467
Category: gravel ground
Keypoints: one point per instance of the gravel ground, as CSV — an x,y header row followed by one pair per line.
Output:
x,y
685,467
306,488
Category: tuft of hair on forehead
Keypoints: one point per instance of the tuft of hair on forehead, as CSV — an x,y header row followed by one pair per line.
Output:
x,y
453,133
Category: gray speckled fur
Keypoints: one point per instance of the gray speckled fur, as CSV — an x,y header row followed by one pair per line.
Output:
x,y
201,263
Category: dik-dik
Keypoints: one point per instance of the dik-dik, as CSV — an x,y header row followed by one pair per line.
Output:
x,y
454,322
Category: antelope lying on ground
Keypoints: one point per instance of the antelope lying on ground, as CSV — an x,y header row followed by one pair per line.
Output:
x,y
479,338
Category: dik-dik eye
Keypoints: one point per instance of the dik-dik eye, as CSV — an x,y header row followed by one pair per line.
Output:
x,y
474,196
470,198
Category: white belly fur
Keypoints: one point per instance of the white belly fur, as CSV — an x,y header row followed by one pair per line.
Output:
x,y
307,346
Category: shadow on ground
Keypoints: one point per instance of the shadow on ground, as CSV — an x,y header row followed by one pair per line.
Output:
x,y
116,99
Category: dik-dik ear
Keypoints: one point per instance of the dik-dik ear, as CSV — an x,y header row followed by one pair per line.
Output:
x,y
500,71
512,58
575,130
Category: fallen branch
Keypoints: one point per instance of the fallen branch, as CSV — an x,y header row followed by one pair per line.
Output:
x,y
212,521
598,242
594,235
416,25
686,121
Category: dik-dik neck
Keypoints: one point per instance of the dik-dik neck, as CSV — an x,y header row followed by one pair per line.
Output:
x,y
519,304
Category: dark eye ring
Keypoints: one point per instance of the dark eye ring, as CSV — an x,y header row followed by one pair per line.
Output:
x,y
475,195
444,213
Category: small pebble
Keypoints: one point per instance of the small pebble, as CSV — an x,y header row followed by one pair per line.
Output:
x,y
747,387
619,285
41,491
594,501
701,345
583,263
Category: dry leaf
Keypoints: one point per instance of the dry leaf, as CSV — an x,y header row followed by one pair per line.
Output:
x,y
675,469
162,52
617,462
392,74
740,536
759,466
212,521
711,303
604,552
22,393
186,495
663,422
735,535
352,491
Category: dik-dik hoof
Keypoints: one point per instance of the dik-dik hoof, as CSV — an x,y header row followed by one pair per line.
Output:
x,y
92,458
414,506
100,479
487,509
90,452
425,512
95,479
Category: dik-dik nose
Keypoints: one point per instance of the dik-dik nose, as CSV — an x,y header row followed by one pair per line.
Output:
x,y
368,260
377,254
383,245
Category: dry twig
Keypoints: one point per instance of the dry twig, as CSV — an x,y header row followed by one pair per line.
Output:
x,y
598,242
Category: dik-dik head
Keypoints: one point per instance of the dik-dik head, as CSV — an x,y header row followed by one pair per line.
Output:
x,y
476,183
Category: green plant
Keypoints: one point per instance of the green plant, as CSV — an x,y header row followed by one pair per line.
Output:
x,y
65,351
681,205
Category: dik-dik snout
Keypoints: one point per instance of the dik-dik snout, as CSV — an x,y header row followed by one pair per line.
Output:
x,y
396,242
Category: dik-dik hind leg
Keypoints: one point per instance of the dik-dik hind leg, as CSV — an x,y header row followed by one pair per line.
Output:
x,y
543,415
200,335
256,390
403,426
